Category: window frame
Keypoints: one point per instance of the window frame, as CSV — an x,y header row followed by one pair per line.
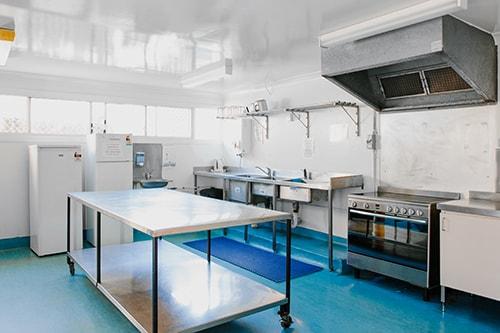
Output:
x,y
91,126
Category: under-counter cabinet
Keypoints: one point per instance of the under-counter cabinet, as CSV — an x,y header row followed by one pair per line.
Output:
x,y
470,245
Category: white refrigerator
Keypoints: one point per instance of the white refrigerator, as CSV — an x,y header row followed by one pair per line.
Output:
x,y
108,167
53,172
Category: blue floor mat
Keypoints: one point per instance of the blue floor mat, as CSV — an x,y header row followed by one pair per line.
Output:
x,y
264,263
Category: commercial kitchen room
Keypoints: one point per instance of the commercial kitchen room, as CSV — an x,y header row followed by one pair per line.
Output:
x,y
259,166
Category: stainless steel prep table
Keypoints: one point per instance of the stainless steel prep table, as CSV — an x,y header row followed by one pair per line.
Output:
x,y
185,293
336,181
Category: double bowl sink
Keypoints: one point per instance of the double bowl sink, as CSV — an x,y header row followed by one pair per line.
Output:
x,y
239,189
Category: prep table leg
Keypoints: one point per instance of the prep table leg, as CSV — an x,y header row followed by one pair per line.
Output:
x,y
330,230
275,247
209,245
195,184
154,296
98,242
70,262
443,298
245,236
286,319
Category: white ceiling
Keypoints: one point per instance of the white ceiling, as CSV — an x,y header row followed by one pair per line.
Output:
x,y
152,42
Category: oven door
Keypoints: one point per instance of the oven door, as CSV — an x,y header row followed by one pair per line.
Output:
x,y
403,241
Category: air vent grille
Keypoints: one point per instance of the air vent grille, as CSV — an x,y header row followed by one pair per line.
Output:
x,y
444,80
403,85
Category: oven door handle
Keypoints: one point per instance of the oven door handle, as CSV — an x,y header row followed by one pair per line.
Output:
x,y
388,216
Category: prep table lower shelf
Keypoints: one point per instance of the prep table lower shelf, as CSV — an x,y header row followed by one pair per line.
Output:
x,y
193,293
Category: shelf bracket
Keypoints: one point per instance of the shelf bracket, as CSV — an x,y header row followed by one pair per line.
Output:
x,y
296,113
355,118
262,124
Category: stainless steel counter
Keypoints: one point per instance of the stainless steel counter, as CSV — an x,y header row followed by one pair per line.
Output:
x,y
478,203
472,206
333,181
326,182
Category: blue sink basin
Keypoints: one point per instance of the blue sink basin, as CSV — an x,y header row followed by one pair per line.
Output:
x,y
156,183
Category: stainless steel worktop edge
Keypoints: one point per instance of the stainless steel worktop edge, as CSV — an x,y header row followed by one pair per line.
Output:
x,y
342,181
472,206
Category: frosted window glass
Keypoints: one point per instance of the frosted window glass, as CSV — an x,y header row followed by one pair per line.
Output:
x,y
52,116
125,118
13,114
169,122
206,125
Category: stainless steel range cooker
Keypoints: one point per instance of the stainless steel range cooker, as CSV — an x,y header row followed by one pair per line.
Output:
x,y
395,232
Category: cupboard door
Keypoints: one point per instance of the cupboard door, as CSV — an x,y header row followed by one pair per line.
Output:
x,y
470,245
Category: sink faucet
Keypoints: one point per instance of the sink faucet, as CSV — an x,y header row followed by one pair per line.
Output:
x,y
266,170
147,175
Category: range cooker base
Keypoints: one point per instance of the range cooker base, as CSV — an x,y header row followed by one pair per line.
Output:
x,y
411,275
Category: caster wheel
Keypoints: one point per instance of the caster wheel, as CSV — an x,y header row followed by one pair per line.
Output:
x,y
286,321
357,273
72,269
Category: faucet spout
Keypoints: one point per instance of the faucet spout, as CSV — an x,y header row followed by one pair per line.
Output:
x,y
267,171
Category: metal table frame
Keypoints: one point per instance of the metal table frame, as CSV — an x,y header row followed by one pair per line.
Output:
x,y
284,312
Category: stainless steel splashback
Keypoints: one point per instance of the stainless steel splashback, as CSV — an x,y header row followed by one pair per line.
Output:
x,y
153,160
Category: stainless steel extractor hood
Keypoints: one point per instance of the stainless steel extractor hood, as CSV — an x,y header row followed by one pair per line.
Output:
x,y
439,63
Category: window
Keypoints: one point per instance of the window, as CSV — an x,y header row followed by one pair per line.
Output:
x,y
52,116
125,118
206,125
13,114
172,122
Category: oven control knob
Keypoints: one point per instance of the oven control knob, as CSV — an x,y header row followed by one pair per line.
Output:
x,y
388,209
420,213
403,211
411,211
396,210
354,204
367,205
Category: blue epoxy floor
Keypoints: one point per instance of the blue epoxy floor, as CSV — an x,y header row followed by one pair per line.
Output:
x,y
39,295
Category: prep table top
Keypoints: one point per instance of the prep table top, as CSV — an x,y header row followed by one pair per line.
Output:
x,y
159,212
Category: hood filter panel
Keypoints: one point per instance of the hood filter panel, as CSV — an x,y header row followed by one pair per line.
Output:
x,y
409,84
443,80
425,82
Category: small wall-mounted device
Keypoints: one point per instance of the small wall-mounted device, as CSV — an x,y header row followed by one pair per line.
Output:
x,y
139,159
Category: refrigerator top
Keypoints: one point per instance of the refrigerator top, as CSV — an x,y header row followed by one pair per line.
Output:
x,y
56,146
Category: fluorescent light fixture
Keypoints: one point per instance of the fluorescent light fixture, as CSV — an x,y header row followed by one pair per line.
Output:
x,y
6,38
208,73
414,14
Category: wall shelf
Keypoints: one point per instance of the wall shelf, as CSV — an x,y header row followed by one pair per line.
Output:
x,y
298,113
305,110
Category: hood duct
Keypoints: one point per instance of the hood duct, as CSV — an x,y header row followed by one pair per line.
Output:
x,y
439,63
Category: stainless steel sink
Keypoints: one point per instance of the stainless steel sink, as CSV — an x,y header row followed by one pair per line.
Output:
x,y
153,183
250,176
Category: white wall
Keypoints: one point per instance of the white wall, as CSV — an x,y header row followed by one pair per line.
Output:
x,y
14,206
448,150
14,189
284,149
